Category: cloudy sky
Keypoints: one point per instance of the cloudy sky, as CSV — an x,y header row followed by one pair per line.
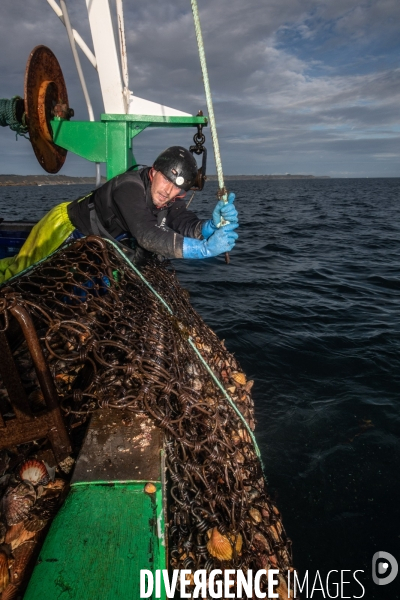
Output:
x,y
299,86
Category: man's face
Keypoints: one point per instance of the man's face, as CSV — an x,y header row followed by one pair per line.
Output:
x,y
162,189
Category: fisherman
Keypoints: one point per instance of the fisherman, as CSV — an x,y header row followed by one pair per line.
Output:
x,y
147,205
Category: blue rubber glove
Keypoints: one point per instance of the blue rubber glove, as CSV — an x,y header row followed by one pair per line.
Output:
x,y
222,240
225,210
207,229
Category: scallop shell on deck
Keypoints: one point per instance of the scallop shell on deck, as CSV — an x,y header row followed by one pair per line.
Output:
x,y
57,484
22,556
150,488
10,593
34,525
17,502
13,532
18,534
34,471
4,572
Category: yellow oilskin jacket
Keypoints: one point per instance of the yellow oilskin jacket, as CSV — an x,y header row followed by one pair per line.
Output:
x,y
45,238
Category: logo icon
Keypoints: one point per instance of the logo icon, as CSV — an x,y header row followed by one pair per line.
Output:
x,y
384,568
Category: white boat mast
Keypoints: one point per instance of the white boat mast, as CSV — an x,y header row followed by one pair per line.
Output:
x,y
112,62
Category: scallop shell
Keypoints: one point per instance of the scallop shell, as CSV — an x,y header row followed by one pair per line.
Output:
x,y
25,536
197,385
282,589
255,515
46,507
64,378
262,562
239,458
18,534
34,471
260,542
249,385
273,560
35,524
244,435
253,494
238,543
10,593
13,532
22,555
17,502
4,572
239,377
57,484
219,545
150,488
274,533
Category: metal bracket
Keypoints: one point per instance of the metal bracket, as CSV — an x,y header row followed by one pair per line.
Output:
x,y
26,426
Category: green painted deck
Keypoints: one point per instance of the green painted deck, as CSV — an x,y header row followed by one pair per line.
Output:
x,y
97,544
108,528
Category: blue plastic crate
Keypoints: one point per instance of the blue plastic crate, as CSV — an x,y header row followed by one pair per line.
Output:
x,y
11,242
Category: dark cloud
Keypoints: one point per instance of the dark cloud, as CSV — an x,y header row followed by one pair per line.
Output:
x,y
295,83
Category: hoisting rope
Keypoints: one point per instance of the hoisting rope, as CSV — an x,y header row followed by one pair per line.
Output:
x,y
8,116
213,128
222,192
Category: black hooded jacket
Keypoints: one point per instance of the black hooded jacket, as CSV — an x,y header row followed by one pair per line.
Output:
x,y
124,204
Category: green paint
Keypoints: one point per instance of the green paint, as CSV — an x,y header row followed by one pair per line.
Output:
x,y
97,544
118,148
85,138
110,140
154,121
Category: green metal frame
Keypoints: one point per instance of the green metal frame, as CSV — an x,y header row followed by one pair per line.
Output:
x,y
110,139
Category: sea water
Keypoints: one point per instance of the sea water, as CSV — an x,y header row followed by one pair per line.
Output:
x,y
310,305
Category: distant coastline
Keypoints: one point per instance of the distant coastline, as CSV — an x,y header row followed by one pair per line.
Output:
x,y
254,177
10,180
46,180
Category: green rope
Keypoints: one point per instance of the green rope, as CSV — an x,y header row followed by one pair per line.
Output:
x,y
193,345
8,116
210,109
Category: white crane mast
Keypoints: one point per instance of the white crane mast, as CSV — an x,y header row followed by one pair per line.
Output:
x,y
111,61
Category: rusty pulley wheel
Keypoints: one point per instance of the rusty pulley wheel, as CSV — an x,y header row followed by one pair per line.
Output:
x,y
45,96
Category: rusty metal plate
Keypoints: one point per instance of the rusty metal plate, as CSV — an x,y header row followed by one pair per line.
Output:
x,y
114,451
44,89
